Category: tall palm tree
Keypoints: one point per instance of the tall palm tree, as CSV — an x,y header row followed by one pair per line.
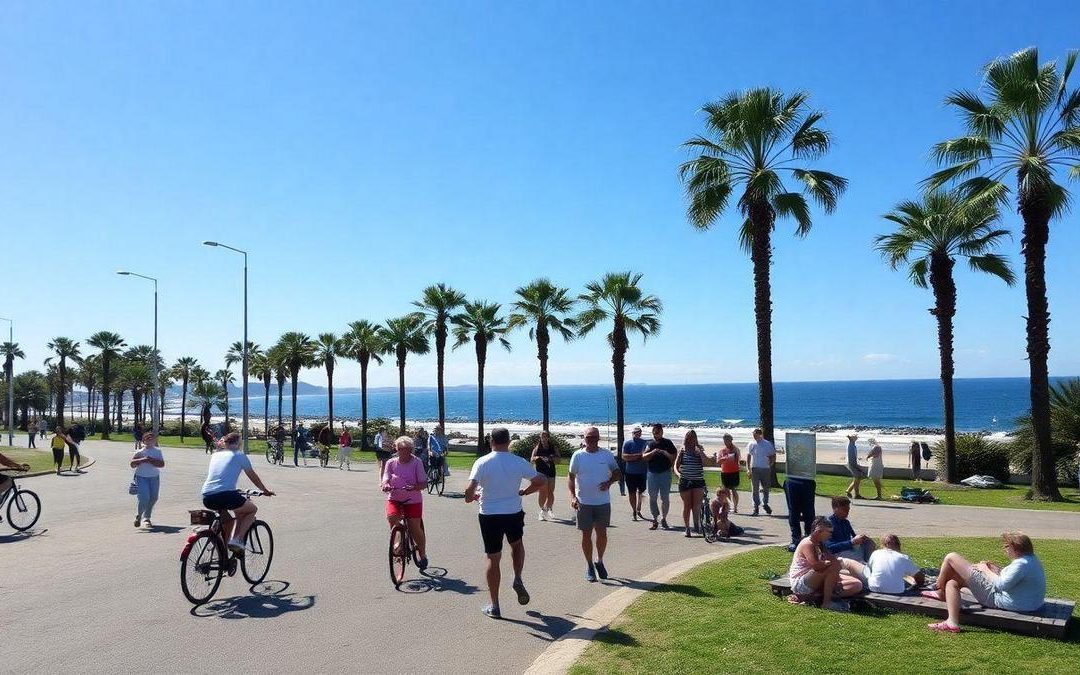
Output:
x,y
281,374
405,335
11,351
235,356
64,349
365,343
543,307
89,375
436,306
297,351
753,139
479,322
205,395
182,371
618,298
261,370
327,350
140,360
1027,128
108,346
932,233
224,377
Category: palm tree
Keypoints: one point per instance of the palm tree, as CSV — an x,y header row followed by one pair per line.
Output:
x,y
139,362
108,345
364,342
182,370
235,355
225,377
932,233
281,374
327,350
436,306
11,351
64,349
89,375
261,370
479,322
403,336
297,351
1029,127
543,307
755,137
618,298
205,395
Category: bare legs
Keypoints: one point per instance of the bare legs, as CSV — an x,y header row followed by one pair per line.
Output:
x,y
877,486
416,531
690,500
587,544
546,495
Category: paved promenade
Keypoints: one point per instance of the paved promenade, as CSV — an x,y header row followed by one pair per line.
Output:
x,y
90,593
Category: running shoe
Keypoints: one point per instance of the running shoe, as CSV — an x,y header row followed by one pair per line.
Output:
x,y
551,514
663,524
540,516
422,565
601,571
523,595
590,574
768,509
492,611
138,520
654,525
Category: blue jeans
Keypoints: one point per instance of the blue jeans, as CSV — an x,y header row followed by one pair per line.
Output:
x,y
147,494
658,485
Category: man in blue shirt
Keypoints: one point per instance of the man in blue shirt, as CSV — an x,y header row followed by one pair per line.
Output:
x,y
843,542
636,468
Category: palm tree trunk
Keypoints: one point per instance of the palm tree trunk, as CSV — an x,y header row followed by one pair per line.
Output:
x,y
618,366
183,409
293,395
481,359
266,408
761,217
1033,245
401,390
941,280
280,389
363,402
225,388
60,394
440,362
542,354
330,395
106,392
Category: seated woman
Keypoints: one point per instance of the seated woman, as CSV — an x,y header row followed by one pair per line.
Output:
x,y
1019,587
719,507
815,570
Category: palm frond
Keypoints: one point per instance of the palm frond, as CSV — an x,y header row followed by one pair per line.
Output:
x,y
994,264
824,187
793,205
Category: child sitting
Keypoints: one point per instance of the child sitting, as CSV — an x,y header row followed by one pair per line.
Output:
x,y
719,507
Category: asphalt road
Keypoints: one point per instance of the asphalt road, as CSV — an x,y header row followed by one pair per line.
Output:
x,y
88,592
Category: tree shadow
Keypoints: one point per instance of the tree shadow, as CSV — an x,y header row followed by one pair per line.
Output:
x,y
615,638
21,536
267,600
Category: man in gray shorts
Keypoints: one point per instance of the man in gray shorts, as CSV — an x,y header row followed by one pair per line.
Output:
x,y
592,471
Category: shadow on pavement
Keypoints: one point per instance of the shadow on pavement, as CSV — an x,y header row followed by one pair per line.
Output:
x,y
21,536
165,529
654,587
268,599
549,628
436,579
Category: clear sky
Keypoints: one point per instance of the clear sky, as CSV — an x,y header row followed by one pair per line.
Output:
x,y
362,151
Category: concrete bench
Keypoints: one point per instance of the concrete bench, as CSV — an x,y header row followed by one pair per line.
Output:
x,y
1050,621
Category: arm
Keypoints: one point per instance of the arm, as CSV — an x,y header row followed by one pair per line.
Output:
x,y
845,541
535,484
678,463
1009,577
571,482
535,454
470,492
254,478
13,465
615,475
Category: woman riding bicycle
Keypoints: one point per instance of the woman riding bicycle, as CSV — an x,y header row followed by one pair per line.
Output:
x,y
219,492
403,480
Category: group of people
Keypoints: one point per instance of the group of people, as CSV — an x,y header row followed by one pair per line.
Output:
x,y
70,440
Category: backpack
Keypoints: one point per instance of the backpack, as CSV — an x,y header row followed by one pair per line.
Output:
x,y
926,454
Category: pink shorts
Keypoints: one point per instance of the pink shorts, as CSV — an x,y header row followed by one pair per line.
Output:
x,y
407,510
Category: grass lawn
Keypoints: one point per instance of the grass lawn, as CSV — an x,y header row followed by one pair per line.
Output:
x,y
707,619
37,459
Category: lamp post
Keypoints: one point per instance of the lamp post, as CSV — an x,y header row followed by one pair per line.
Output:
x,y
155,403
244,376
11,386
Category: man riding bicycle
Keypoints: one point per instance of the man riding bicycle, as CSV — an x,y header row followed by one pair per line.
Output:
x,y
437,453
219,492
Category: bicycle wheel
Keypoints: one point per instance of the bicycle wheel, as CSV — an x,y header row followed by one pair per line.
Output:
x,y
23,509
258,552
400,558
442,481
271,456
432,479
201,566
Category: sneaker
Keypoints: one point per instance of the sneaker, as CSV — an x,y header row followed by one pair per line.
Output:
x,y
687,534
768,509
654,525
633,516
601,571
523,595
147,524
492,611
590,574
138,520
663,524
541,516
791,548
422,565
237,547
755,512
551,514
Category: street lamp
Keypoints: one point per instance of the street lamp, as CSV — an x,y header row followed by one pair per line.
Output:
x,y
244,377
155,403
11,385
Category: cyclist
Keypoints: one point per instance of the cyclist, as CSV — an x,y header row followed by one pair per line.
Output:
x,y
403,482
300,443
437,453
219,492
5,481
438,437
420,446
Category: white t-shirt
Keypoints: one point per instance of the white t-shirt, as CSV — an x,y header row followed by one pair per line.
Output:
x,y
146,469
886,569
499,474
225,468
757,453
590,469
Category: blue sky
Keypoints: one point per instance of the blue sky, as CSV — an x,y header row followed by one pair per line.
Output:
x,y
361,152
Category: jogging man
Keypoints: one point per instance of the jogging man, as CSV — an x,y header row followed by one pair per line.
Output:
x,y
660,456
498,475
592,471
636,470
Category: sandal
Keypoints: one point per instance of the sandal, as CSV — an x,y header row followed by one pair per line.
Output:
x,y
932,595
943,627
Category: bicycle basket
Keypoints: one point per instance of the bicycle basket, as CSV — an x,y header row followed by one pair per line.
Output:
x,y
202,517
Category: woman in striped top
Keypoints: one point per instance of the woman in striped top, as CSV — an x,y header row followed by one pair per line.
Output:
x,y
690,465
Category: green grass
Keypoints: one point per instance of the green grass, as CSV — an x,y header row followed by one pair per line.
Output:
x,y
37,459
721,616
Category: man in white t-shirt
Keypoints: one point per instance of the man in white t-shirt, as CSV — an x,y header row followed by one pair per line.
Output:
x,y
592,471
498,475
885,570
760,456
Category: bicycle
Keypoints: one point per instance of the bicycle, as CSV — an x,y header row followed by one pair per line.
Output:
x,y
324,455
706,526
436,477
275,451
23,507
402,548
206,557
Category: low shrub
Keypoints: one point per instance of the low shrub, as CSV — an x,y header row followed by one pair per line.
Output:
x,y
976,456
523,446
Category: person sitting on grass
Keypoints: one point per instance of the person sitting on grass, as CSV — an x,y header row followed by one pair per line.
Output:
x,y
719,507
814,570
844,543
1019,587
887,567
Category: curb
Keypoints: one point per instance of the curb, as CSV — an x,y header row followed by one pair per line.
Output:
x,y
561,655
85,465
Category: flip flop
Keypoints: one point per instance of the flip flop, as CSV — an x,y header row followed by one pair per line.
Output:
x,y
943,627
932,595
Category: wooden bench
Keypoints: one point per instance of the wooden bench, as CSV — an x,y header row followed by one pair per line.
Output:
x,y
1051,621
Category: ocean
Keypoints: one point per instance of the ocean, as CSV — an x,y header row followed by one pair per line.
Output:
x,y
984,404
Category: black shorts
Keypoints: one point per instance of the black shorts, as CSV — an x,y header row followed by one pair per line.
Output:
x,y
224,501
546,468
493,527
686,484
635,482
382,455
57,455
730,480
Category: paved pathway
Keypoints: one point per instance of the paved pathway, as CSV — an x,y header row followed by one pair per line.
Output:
x,y
90,593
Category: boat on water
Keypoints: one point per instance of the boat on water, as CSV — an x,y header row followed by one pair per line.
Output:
x,y
693,421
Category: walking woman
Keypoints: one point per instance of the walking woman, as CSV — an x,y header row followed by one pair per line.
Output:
x,y
877,466
31,430
915,460
729,469
59,445
148,463
544,457
690,468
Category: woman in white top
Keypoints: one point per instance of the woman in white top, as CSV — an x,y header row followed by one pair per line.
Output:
x,y
147,463
877,466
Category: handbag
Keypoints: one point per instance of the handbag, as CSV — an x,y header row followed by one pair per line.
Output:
x,y
133,487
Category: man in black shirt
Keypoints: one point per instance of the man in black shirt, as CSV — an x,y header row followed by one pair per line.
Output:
x,y
660,456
